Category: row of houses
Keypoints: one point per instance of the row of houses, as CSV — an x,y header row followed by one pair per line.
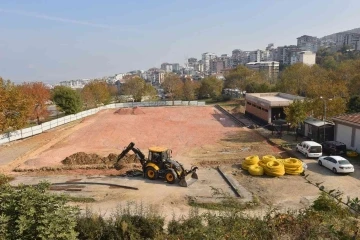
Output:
x,y
268,109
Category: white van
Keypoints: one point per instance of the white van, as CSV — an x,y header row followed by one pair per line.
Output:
x,y
310,149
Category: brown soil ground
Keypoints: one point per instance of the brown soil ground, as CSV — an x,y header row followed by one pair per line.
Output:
x,y
197,135
190,132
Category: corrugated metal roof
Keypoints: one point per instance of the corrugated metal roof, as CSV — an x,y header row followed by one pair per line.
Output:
x,y
316,122
350,118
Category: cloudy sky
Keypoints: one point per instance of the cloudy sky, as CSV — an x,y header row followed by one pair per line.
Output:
x,y
52,41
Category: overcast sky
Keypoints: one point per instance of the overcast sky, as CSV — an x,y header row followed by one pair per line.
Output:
x,y
53,41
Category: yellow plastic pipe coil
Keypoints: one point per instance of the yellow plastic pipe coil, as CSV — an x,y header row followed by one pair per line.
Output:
x,y
293,166
268,158
265,159
274,168
251,160
256,170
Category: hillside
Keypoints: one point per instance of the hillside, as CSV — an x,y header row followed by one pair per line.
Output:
x,y
333,36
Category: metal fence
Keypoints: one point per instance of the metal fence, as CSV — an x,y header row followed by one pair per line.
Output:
x,y
31,131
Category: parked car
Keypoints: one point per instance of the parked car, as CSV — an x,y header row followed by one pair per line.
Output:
x,y
310,149
337,164
334,147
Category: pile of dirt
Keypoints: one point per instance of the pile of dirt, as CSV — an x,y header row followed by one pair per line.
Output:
x,y
81,158
137,111
129,111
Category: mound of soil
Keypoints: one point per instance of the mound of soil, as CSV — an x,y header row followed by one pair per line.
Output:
x,y
137,111
81,158
129,111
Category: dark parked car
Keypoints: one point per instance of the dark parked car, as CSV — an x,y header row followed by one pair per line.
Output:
x,y
334,147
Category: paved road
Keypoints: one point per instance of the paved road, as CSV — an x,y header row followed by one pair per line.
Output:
x,y
349,184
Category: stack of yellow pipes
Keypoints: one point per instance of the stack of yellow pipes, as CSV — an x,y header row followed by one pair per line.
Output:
x,y
272,166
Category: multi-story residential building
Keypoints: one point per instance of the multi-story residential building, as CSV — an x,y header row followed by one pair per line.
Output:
x,y
239,57
206,57
78,83
167,67
199,66
255,56
216,65
219,63
352,40
175,67
191,62
305,57
155,76
270,68
308,43
285,54
120,76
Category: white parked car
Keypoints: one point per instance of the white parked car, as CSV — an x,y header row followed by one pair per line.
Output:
x,y
310,149
337,164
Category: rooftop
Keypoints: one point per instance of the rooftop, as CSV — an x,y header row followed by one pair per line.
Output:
x,y
353,118
317,122
272,99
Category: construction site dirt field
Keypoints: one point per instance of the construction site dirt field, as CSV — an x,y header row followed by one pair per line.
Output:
x,y
193,133
199,136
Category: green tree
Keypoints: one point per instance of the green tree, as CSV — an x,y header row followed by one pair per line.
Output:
x,y
137,88
67,99
95,93
354,104
38,94
173,86
241,77
150,92
296,113
294,79
15,106
189,89
31,213
210,86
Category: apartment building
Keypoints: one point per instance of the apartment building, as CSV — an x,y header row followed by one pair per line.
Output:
x,y
270,68
206,58
308,43
167,67
352,40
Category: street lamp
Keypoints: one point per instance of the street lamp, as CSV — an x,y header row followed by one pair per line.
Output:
x,y
324,114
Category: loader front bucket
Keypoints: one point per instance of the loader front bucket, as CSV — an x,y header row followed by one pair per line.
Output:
x,y
187,181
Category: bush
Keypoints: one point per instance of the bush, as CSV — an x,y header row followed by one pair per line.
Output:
x,y
30,213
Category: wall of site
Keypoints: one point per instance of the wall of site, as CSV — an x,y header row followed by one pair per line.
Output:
x,y
31,131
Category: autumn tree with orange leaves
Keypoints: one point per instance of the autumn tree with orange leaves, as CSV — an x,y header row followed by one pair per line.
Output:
x,y
38,95
95,93
15,106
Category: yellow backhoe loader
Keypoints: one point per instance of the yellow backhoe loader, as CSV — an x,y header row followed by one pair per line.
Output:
x,y
160,165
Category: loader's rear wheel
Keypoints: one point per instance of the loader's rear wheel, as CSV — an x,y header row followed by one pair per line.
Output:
x,y
151,173
170,177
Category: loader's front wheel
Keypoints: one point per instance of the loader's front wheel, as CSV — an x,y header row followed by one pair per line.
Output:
x,y
170,177
151,173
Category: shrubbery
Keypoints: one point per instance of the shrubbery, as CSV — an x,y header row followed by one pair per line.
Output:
x,y
32,213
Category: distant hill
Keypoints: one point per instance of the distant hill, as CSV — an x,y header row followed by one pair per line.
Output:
x,y
333,36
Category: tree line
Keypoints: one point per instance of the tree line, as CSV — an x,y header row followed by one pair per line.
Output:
x,y
334,81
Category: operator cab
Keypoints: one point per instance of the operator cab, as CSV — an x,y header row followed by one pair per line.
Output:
x,y
159,154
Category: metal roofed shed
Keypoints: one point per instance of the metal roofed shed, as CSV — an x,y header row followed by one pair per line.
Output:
x,y
266,107
313,129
